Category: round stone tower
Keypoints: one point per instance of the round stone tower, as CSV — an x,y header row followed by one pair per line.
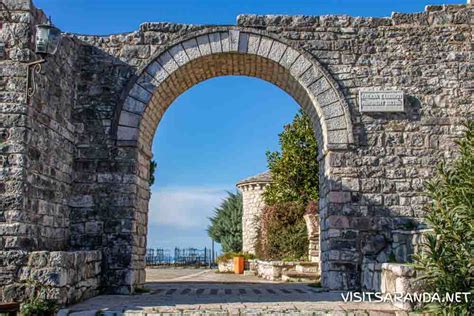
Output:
x,y
252,195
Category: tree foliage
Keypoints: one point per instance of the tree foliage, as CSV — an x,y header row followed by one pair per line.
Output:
x,y
226,224
295,169
295,172
447,262
153,166
282,232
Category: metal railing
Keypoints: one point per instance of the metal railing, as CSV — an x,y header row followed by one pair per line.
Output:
x,y
179,257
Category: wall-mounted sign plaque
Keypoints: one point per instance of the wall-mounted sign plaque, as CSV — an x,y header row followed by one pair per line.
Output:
x,y
381,101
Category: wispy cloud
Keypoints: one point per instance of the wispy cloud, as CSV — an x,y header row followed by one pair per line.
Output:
x,y
184,207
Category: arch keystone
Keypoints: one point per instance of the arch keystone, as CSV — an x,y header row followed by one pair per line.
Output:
x,y
234,36
215,41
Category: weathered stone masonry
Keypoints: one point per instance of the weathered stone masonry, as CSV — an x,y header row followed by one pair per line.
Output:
x,y
74,159
37,149
252,189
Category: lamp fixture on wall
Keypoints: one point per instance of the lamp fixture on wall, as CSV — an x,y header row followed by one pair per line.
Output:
x,y
47,38
47,42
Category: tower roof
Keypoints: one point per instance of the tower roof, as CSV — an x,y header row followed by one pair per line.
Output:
x,y
264,177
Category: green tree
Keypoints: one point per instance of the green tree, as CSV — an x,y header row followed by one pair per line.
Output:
x,y
295,169
294,187
447,260
153,166
226,224
283,233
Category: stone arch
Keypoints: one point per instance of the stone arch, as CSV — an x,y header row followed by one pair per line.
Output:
x,y
234,52
213,53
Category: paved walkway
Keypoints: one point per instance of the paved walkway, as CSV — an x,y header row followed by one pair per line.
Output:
x,y
199,292
160,275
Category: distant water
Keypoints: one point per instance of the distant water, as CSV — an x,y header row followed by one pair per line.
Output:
x,y
185,256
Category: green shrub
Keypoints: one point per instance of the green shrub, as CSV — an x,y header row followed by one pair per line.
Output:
x,y
230,255
38,307
446,263
282,232
37,303
226,224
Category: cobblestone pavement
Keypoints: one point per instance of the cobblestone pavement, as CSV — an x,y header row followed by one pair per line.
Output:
x,y
197,292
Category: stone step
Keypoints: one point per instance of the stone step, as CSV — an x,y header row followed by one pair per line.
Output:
x,y
293,276
250,272
307,267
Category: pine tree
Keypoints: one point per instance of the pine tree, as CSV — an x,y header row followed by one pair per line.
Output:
x,y
226,224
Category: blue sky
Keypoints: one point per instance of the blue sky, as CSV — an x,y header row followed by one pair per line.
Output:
x,y
116,16
211,136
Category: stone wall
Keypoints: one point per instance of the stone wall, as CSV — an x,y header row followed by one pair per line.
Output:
x,y
16,229
375,187
38,136
406,243
225,266
91,188
273,270
65,277
312,225
399,279
427,56
37,149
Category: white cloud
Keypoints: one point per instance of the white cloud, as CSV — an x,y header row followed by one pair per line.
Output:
x,y
184,207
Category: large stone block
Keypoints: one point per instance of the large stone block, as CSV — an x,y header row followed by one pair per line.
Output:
x,y
192,48
215,42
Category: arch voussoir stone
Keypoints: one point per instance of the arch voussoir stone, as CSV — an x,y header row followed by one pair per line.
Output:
x,y
296,68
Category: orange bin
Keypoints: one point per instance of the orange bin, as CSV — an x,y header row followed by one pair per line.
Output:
x,y
239,265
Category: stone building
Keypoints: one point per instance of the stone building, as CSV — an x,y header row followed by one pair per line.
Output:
x,y
252,189
75,150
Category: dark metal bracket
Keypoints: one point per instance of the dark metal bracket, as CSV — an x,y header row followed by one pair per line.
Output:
x,y
34,68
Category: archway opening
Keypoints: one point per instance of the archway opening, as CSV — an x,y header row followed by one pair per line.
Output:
x,y
227,53
207,142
